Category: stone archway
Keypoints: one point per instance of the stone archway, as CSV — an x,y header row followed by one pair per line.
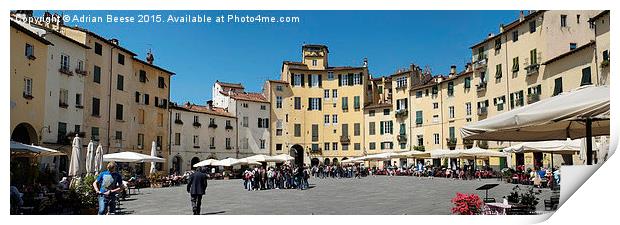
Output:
x,y
326,162
335,161
298,153
194,161
314,162
25,133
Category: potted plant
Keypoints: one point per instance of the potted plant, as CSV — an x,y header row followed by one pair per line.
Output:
x,y
84,196
467,204
155,179
514,195
530,200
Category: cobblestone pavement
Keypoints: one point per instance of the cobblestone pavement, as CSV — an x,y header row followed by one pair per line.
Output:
x,y
379,195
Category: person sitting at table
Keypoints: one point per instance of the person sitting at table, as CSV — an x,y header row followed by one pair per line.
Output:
x,y
63,184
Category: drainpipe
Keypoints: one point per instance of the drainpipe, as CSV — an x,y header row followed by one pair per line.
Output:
x,y
110,100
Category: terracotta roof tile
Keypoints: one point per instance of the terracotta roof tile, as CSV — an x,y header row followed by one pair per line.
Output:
x,y
246,96
231,85
204,109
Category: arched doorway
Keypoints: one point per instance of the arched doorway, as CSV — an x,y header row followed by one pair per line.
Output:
x,y
176,164
326,162
298,153
335,161
314,162
25,133
194,161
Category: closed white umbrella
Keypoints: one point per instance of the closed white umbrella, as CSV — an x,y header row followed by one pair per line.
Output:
x,y
226,162
132,157
98,159
75,167
154,154
90,157
208,162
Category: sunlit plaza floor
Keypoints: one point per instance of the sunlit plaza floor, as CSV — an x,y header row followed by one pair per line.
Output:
x,y
380,195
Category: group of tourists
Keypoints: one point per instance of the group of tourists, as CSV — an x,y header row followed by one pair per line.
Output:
x,y
338,171
279,177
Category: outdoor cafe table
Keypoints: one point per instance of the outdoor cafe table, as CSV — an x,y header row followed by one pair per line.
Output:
x,y
498,208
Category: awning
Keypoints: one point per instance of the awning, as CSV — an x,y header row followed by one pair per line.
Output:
x,y
412,154
555,147
132,157
556,118
32,150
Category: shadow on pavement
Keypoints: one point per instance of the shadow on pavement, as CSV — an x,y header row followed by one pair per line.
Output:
x,y
213,213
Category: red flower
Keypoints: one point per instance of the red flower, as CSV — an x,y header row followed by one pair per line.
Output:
x,y
466,204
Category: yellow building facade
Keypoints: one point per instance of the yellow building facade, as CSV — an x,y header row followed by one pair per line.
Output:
x,y
321,111
28,71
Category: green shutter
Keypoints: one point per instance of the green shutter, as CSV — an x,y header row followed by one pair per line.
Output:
x,y
356,102
402,129
381,127
345,103
418,117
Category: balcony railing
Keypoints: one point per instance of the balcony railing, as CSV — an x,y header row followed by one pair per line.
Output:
x,y
229,127
419,148
66,71
451,141
481,86
197,124
212,125
532,69
63,105
531,98
345,139
178,121
401,112
81,72
605,63
481,64
402,138
482,111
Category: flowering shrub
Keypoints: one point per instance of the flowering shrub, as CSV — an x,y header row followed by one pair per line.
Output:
x,y
467,204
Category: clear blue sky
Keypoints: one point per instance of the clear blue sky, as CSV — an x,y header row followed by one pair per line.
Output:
x,y
251,53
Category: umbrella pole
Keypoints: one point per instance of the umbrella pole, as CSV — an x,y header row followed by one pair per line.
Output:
x,y
588,141
551,160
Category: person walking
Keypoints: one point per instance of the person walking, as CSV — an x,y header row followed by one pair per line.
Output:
x,y
107,184
196,187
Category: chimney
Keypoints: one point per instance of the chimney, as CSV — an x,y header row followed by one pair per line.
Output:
x,y
210,104
365,62
452,70
114,41
521,16
149,57
501,28
187,104
490,35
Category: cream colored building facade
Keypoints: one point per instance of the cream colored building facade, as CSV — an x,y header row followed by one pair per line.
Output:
x,y
28,71
125,98
321,115
200,133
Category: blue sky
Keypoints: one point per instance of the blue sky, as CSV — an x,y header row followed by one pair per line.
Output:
x,y
199,54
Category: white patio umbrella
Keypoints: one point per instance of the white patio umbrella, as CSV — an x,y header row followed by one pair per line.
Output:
x,y
412,154
75,166
567,146
246,161
153,154
225,162
284,157
583,112
90,157
98,159
208,162
32,150
259,158
352,160
132,157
